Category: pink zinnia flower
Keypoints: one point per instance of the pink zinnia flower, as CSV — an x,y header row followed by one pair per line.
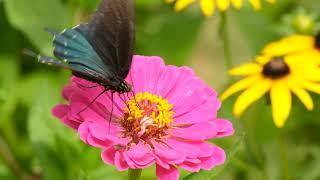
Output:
x,y
166,121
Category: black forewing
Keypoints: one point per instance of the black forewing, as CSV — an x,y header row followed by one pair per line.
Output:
x,y
111,32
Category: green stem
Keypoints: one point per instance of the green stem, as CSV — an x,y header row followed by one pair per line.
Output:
x,y
10,161
134,174
223,33
284,155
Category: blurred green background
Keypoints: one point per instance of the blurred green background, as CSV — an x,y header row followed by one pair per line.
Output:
x,y
34,145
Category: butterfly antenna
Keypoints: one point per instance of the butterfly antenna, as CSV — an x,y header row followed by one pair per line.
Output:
x,y
92,102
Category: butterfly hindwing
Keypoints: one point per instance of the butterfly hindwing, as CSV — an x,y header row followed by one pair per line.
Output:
x,y
72,47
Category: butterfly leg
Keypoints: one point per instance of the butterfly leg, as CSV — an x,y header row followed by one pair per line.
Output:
x,y
111,114
94,99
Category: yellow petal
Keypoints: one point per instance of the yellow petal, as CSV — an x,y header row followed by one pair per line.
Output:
x,y
207,7
302,94
281,102
238,86
223,4
305,65
251,95
246,69
289,45
263,59
237,3
256,4
311,86
182,4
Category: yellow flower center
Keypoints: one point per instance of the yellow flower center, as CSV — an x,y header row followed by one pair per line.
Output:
x,y
147,116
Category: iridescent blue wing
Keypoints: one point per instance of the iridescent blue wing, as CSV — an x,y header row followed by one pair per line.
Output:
x,y
76,52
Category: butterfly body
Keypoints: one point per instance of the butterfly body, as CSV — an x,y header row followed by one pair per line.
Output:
x,y
101,50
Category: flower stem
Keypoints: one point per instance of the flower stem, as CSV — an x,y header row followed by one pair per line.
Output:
x,y
284,155
10,161
223,33
134,174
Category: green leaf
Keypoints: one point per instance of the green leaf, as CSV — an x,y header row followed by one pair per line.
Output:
x,y
259,26
9,73
41,129
107,172
162,32
31,17
211,174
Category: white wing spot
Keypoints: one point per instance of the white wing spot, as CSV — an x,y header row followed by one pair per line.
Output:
x,y
65,44
74,36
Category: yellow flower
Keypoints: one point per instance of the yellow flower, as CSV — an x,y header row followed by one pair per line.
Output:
x,y
294,44
280,76
208,6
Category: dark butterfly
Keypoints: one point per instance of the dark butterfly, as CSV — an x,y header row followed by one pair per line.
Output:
x,y
100,51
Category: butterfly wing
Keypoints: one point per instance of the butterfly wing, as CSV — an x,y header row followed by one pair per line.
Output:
x,y
77,54
111,32
100,51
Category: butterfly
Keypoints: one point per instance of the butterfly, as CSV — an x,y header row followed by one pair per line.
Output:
x,y
99,51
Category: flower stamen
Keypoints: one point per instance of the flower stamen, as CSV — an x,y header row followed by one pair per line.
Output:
x,y
147,117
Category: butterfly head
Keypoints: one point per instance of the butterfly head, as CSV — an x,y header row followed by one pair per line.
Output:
x,y
118,86
124,87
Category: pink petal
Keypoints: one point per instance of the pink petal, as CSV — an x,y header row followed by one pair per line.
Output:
x,y
120,162
192,167
167,155
206,130
224,127
218,157
209,129
145,72
60,110
114,157
108,155
99,135
171,79
68,91
141,155
187,148
167,174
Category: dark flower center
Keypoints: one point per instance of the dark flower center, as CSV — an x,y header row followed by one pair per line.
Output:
x,y
276,68
317,41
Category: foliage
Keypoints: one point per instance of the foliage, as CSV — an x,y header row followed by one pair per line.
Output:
x,y
43,148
